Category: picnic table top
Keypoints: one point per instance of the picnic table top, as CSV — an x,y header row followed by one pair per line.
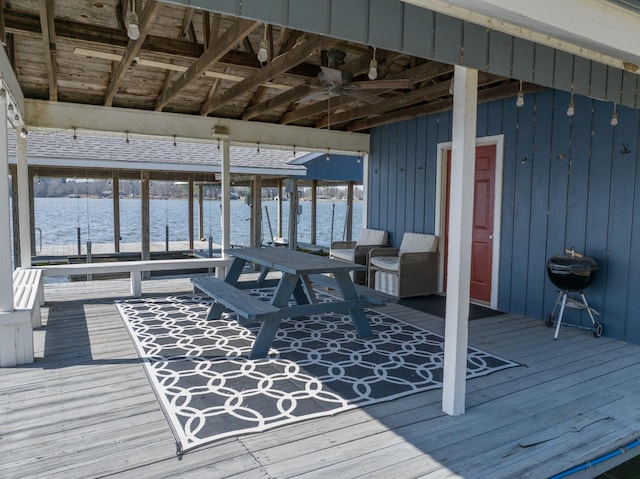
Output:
x,y
293,262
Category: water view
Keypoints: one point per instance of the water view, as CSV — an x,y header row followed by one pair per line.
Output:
x,y
59,218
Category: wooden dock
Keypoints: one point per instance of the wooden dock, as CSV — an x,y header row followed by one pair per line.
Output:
x,y
85,409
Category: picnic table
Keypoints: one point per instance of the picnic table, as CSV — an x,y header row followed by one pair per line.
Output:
x,y
298,270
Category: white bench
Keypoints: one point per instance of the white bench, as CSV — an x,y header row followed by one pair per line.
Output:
x,y
134,268
28,293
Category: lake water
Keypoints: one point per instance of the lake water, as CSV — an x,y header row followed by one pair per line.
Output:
x,y
58,219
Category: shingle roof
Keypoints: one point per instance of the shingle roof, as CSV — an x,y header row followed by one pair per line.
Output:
x,y
61,149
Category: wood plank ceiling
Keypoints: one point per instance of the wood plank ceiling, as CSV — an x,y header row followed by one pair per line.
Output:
x,y
196,62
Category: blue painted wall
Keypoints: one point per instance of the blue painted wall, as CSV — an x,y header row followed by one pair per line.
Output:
x,y
338,168
568,181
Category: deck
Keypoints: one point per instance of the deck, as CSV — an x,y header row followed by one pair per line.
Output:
x,y
85,408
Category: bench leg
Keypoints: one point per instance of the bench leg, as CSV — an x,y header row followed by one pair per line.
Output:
x,y
264,339
136,283
215,311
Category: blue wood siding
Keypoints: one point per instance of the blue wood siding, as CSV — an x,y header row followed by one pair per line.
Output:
x,y
567,182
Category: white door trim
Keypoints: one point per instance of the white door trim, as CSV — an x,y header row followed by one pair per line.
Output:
x,y
441,175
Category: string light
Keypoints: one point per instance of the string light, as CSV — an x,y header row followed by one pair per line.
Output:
x,y
520,98
258,148
263,51
614,117
373,67
23,133
127,135
328,155
294,151
75,136
133,25
571,108
174,141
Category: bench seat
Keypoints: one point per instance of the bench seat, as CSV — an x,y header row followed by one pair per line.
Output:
x,y
134,268
28,293
366,294
249,308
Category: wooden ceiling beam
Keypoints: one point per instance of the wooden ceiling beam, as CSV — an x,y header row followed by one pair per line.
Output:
x,y
225,43
401,101
500,92
355,67
285,98
278,66
109,38
147,18
49,43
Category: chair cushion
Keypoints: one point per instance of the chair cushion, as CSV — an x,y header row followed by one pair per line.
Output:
x,y
343,254
390,263
418,243
387,283
368,236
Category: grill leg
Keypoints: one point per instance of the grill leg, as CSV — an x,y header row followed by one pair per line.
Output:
x,y
564,301
588,308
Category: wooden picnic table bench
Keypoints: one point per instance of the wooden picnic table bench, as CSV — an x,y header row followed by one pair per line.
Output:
x,y
297,268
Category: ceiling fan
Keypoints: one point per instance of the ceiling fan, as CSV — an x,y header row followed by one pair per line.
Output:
x,y
332,81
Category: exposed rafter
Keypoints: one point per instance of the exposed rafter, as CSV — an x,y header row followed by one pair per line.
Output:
x,y
225,43
49,44
133,47
279,65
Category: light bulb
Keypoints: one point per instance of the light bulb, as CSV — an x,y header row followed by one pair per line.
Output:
x,y
614,119
263,52
520,99
570,109
373,70
23,133
133,29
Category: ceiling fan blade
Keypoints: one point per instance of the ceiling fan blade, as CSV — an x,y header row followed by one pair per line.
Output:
x,y
332,76
314,95
366,97
383,84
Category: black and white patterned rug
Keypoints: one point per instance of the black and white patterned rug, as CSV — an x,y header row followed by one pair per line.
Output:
x,y
317,366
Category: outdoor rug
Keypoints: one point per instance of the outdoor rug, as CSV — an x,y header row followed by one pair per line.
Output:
x,y
436,305
209,389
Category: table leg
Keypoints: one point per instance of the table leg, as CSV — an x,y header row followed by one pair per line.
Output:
x,y
235,270
263,341
359,319
288,283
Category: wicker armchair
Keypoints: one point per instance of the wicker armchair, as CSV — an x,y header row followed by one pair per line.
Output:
x,y
356,251
410,270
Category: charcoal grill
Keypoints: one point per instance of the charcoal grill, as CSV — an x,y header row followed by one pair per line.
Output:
x,y
572,273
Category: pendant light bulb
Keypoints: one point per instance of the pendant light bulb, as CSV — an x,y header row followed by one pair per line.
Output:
x,y
520,98
614,117
263,50
263,53
133,28
373,67
23,133
133,24
571,108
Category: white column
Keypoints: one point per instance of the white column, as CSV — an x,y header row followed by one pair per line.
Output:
x,y
226,200
459,236
365,189
24,205
6,270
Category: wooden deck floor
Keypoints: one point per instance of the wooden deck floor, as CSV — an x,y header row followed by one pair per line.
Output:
x,y
85,408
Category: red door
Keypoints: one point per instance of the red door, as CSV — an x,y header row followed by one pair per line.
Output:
x,y
482,236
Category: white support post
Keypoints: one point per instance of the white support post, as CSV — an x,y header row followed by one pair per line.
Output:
x,y
16,333
226,201
6,269
465,95
24,205
365,188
